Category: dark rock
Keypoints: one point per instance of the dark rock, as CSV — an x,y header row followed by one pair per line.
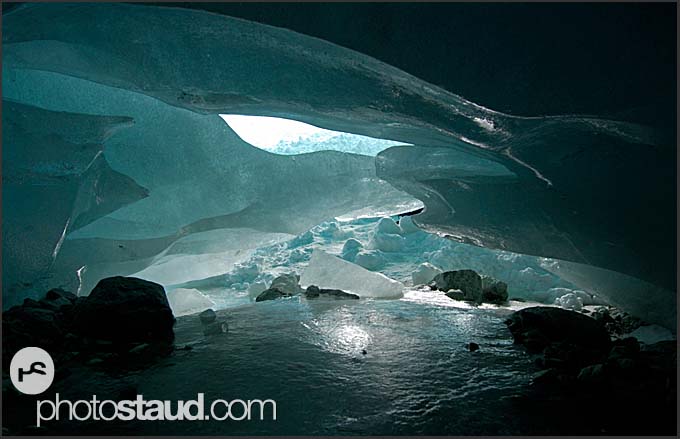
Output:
x,y
215,328
208,316
338,294
566,355
625,348
468,281
30,326
363,352
494,291
547,377
593,374
455,294
537,327
473,347
627,365
271,294
616,322
58,293
55,304
31,303
125,309
288,284
314,292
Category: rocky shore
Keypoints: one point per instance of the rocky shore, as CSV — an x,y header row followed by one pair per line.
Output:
x,y
598,382
589,376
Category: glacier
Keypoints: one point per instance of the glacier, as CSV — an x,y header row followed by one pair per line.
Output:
x,y
117,162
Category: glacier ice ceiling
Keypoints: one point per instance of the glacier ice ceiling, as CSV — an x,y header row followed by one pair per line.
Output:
x,y
118,160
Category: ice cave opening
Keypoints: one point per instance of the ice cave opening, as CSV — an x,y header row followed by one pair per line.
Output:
x,y
288,137
111,169
365,239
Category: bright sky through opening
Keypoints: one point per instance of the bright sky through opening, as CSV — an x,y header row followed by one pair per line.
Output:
x,y
285,136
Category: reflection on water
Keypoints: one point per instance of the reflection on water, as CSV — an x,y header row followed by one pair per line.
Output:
x,y
415,377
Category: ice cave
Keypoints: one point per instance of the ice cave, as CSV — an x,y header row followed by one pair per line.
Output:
x,y
232,162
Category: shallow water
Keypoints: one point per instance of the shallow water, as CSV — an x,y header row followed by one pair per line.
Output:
x,y
417,376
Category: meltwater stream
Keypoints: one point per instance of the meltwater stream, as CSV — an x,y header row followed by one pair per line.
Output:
x,y
416,377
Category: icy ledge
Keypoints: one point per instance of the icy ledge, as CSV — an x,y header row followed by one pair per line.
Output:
x,y
328,271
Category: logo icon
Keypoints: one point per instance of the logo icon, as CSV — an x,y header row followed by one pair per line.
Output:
x,y
31,370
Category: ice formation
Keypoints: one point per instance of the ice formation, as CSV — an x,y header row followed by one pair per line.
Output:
x,y
328,271
113,132
185,301
425,273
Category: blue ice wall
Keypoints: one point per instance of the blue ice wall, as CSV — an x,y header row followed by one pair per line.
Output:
x,y
593,192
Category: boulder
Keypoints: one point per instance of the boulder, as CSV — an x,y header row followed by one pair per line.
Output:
x,y
216,327
31,303
271,294
455,294
208,316
593,374
314,292
570,301
616,321
30,326
288,284
494,291
539,326
125,309
58,293
569,356
551,378
468,281
55,304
